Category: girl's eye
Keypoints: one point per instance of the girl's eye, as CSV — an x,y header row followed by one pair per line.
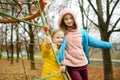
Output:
x,y
57,37
66,18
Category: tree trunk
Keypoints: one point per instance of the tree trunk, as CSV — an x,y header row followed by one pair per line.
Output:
x,y
31,48
108,72
8,57
17,45
32,56
11,46
1,45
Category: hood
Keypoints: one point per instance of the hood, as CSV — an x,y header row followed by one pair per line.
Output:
x,y
64,12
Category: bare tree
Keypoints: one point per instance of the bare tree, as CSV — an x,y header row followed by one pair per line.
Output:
x,y
105,29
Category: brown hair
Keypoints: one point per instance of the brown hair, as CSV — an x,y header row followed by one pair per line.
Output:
x,y
64,26
61,23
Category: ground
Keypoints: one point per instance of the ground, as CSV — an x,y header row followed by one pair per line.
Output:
x,y
16,71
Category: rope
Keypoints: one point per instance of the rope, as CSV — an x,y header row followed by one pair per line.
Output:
x,y
17,19
43,21
28,17
49,76
26,77
11,74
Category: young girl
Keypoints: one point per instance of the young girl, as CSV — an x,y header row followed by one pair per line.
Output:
x,y
76,56
50,64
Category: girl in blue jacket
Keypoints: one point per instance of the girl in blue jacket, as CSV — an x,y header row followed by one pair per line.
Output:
x,y
74,49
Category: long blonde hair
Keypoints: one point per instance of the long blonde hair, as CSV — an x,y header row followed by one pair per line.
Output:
x,y
56,47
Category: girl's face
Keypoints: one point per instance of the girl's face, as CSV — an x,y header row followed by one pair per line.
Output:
x,y
68,20
58,37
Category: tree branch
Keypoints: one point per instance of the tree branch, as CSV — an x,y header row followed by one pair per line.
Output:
x,y
117,30
112,30
113,8
95,10
88,17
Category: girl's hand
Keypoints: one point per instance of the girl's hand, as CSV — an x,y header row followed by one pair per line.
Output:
x,y
48,40
62,68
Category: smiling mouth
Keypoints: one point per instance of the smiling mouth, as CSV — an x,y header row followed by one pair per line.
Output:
x,y
70,23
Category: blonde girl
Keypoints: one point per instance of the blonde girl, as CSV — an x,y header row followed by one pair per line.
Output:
x,y
50,63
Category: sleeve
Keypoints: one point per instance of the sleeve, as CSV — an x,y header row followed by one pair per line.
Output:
x,y
45,50
98,43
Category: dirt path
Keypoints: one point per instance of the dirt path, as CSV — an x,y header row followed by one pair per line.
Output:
x,y
15,71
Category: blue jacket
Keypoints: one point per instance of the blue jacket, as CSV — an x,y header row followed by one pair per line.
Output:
x,y
86,42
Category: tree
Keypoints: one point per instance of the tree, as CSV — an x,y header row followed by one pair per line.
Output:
x,y
10,17
105,30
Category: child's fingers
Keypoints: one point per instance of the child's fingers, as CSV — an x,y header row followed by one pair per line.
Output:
x,y
62,68
48,39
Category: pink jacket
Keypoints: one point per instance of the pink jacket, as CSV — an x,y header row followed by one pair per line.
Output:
x,y
74,54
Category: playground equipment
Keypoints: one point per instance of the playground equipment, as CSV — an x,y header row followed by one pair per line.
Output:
x,y
28,17
14,19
